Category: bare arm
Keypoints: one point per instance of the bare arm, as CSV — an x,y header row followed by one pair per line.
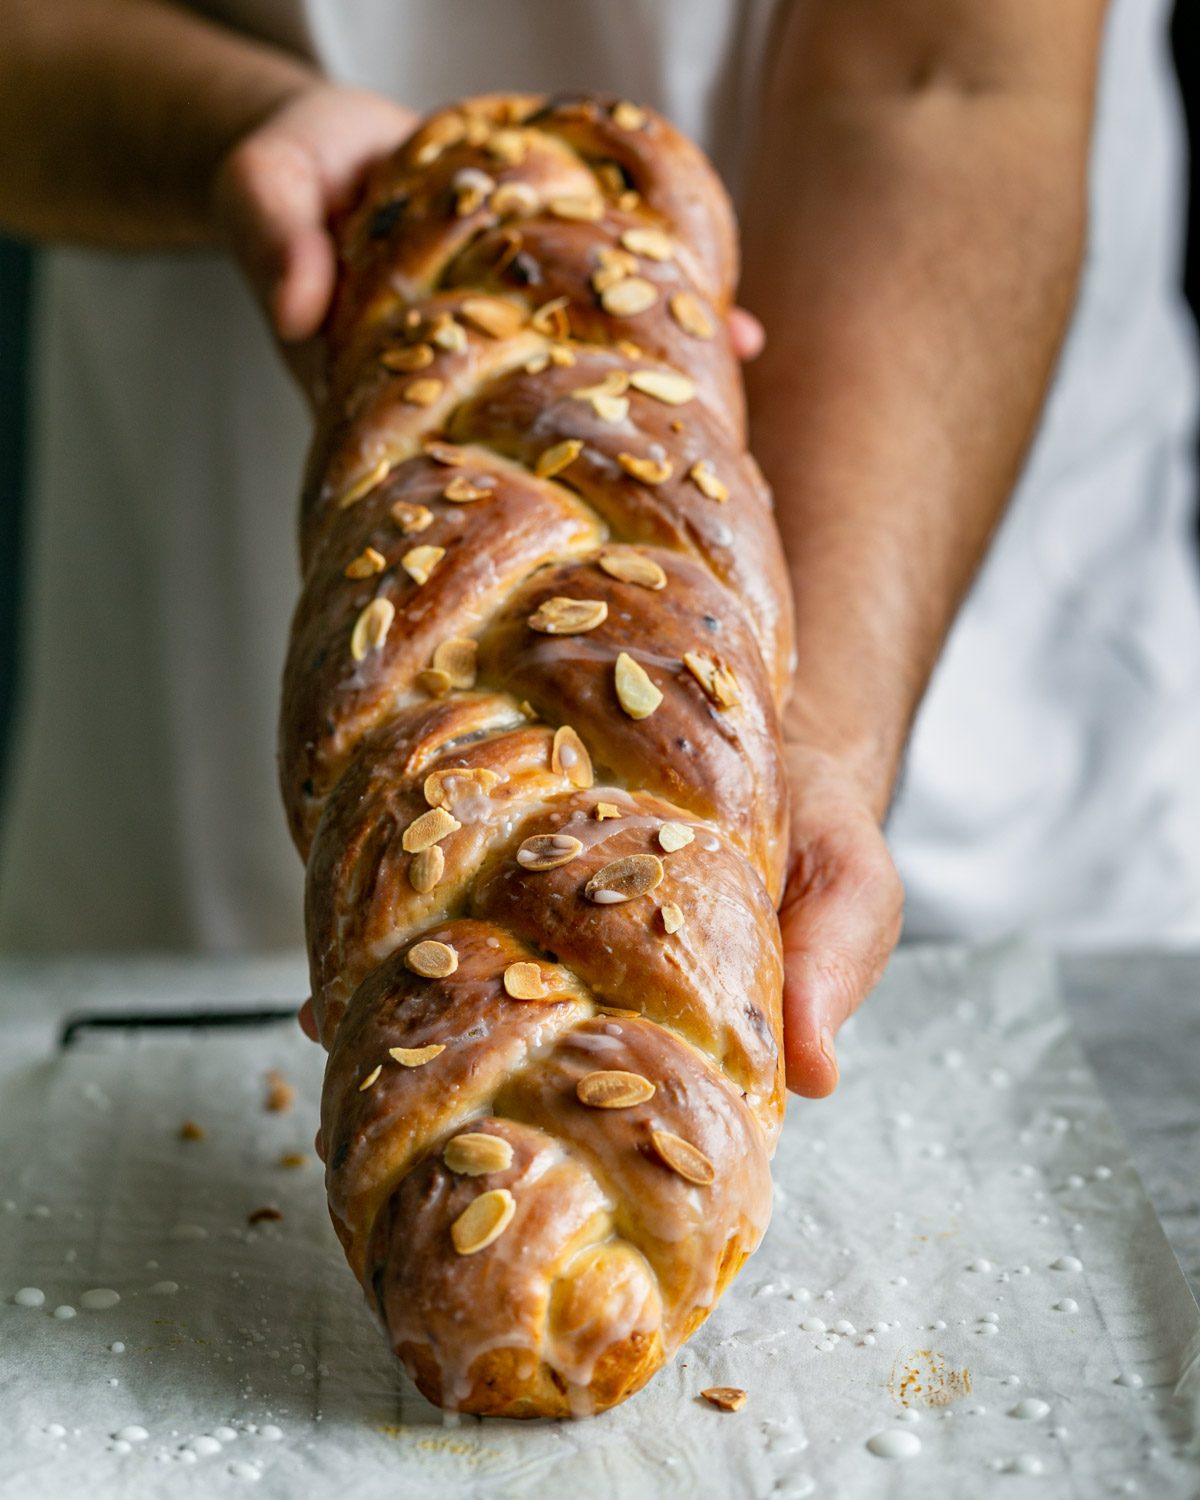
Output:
x,y
914,233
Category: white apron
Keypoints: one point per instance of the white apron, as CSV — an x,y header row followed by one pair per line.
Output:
x,y
1052,781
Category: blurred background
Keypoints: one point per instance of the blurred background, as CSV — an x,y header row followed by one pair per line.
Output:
x,y
18,272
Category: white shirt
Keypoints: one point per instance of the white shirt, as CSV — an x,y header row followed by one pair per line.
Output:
x,y
1051,782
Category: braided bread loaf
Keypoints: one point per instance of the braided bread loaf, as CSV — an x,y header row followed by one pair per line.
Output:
x,y
530,753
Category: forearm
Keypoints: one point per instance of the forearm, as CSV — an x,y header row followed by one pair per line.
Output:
x,y
914,256
114,114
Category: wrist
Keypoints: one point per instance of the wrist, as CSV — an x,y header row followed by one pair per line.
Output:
x,y
866,747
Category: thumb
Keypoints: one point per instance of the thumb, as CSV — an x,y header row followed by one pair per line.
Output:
x,y
270,203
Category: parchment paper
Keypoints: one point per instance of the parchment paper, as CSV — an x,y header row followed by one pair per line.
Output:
x,y
965,1153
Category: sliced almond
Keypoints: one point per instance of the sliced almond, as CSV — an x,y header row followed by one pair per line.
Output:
x,y
672,916
612,409
612,179
483,1220
428,829
431,959
448,334
622,1012
613,384
546,851
463,491
706,481
633,567
495,316
411,518
561,616
582,206
630,296
537,364
717,680
423,392
604,811
682,1157
667,386
449,454
430,680
473,1154
514,198
507,146
648,470
371,1077
690,313
365,564
365,484
416,1057
725,1397
562,355
407,357
442,787
420,562
457,658
371,628
471,189
652,243
628,201
551,318
569,757
623,879
636,693
628,116
556,458
525,981
672,836
613,1089
613,265
426,869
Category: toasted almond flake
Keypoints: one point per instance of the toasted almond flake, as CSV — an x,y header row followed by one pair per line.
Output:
x,y
577,206
569,757
281,1094
614,265
527,709
615,383
190,1131
717,680
411,518
628,116
441,787
537,364
407,358
623,879
293,1159
622,1012
636,693
449,454
268,1215
525,981
365,564
436,684
479,127
676,424
562,355
633,567
556,458
507,146
420,562
426,869
668,386
611,1088
412,317
514,198
647,470
605,810
416,1057
471,190
551,318
370,1078
672,836
546,851
690,313
457,658
706,481
682,1157
474,1153
371,628
672,916
365,484
431,959
495,316
561,616
427,829
629,297
447,334
483,1220
628,201
423,392
612,409
462,491
612,179
652,243
440,132
725,1397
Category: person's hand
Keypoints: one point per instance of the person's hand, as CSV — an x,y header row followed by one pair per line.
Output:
x,y
840,916
275,191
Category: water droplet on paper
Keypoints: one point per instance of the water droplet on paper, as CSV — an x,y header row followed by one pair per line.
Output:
x,y
1102,1174
272,1433
938,1324
64,1312
225,1434
1011,1380
992,1317
30,1296
1030,1410
100,1299
1021,1271
118,1347
204,1447
189,1232
1026,1463
242,1470
979,1265
813,1325
988,1330
56,1430
899,1280
1067,1305
165,1288
1131,1379
1075,1180
844,1327
1066,1263
894,1444
908,1415
131,1434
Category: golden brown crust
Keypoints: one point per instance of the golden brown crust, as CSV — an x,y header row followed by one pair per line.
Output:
x,y
530,752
